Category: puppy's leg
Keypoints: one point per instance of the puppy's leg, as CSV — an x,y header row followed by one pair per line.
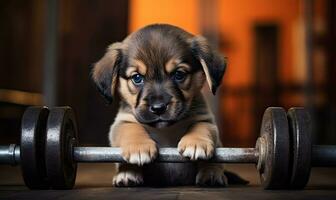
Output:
x,y
128,175
136,145
137,149
199,141
210,174
198,144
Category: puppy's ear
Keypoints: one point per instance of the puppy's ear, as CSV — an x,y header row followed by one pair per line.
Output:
x,y
212,62
105,71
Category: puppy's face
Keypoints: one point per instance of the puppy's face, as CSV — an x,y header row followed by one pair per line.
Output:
x,y
159,77
157,71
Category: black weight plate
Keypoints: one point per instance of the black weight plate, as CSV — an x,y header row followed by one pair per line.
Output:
x,y
274,130
33,133
61,132
301,147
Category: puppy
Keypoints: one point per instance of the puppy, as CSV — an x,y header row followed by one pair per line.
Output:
x,y
158,73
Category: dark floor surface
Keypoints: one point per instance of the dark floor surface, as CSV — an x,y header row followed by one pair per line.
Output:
x,y
94,182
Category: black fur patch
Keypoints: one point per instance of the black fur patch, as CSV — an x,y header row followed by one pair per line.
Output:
x,y
104,83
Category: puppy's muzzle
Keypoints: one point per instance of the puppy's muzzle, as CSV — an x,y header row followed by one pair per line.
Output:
x,y
158,103
158,108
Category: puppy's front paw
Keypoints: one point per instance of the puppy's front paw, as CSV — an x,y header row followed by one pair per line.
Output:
x,y
139,153
127,179
211,176
196,148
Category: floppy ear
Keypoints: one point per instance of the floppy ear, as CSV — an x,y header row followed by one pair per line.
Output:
x,y
105,71
212,62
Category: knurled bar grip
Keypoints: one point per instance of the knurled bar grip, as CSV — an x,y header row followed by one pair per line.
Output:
x,y
110,154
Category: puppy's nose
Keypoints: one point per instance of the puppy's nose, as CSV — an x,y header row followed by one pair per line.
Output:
x,y
158,108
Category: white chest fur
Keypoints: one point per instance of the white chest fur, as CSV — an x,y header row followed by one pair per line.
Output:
x,y
169,136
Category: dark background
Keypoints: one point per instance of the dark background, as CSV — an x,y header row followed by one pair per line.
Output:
x,y
64,32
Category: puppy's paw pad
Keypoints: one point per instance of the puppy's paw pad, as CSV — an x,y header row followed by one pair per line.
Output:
x,y
139,153
127,179
211,177
196,149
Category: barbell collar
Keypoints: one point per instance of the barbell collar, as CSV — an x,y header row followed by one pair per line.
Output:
x,y
10,154
111,154
324,156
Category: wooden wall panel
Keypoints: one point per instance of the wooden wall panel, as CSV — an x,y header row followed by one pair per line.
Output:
x,y
86,28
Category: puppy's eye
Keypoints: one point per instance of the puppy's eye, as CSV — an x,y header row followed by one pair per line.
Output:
x,y
137,79
179,76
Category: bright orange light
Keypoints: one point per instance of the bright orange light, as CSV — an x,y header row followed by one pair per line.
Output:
x,y
183,14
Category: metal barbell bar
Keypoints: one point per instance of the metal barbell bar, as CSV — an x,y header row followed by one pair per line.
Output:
x,y
323,155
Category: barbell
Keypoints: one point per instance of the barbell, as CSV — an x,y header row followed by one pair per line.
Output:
x,y
48,151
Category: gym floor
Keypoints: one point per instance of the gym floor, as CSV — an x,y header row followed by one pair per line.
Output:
x,y
94,182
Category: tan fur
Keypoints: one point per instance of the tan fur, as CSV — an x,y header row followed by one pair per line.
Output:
x,y
127,95
171,65
206,70
175,63
136,66
200,138
134,141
